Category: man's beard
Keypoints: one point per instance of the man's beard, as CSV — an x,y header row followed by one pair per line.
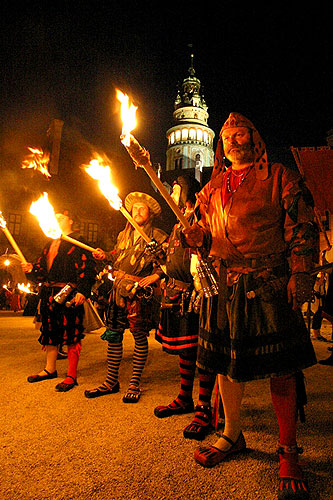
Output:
x,y
241,153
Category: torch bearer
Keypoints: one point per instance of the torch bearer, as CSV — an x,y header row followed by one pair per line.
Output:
x,y
103,175
141,158
44,212
11,240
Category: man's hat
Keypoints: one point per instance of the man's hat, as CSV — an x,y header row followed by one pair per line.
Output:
x,y
137,197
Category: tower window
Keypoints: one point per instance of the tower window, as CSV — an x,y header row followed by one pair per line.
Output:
x,y
192,134
15,223
184,134
199,134
177,135
178,163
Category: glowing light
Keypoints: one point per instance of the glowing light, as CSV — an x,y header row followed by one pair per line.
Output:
x,y
102,174
43,211
128,111
37,160
7,262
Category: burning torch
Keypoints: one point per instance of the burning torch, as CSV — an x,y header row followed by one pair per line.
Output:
x,y
102,174
141,158
44,212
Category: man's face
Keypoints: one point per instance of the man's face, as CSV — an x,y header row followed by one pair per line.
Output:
x,y
237,145
140,213
65,223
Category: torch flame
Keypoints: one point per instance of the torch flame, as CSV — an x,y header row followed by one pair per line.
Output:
x,y
128,111
44,212
3,223
38,160
102,174
24,288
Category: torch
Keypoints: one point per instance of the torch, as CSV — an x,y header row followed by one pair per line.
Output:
x,y
102,174
141,158
10,238
43,210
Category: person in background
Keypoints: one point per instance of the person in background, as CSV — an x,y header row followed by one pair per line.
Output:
x,y
62,263
179,321
258,218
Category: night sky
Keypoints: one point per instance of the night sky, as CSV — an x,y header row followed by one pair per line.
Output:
x,y
64,60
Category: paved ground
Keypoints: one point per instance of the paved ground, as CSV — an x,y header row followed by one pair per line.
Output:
x,y
65,447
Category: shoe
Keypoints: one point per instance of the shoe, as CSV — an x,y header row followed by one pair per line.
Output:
x,y
327,362
210,456
132,395
102,390
173,408
292,485
197,430
64,387
39,378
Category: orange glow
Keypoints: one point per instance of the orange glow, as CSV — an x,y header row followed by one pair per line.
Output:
x,y
2,221
38,160
102,174
43,210
128,111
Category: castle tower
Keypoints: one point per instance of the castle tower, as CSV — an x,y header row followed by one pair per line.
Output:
x,y
190,140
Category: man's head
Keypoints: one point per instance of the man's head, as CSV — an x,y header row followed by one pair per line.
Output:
x,y
240,141
142,206
238,145
65,222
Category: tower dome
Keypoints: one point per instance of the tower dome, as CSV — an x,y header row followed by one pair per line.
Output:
x,y
190,140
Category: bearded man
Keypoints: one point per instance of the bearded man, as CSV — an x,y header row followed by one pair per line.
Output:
x,y
130,305
258,219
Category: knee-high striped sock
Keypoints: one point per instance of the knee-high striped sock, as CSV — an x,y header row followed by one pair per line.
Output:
x,y
206,386
140,355
187,372
114,357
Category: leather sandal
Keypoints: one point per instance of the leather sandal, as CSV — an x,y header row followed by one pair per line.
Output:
x,y
132,395
39,378
64,387
197,430
102,390
210,456
292,486
173,408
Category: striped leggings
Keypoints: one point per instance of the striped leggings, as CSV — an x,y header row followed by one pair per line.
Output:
x,y
115,354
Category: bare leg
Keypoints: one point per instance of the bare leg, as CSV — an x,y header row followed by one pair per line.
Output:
x,y
232,395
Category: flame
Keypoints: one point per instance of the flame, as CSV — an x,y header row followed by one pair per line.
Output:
x,y
38,160
44,212
102,174
24,288
128,111
3,223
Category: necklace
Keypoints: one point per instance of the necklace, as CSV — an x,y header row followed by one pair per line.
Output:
x,y
241,177
242,172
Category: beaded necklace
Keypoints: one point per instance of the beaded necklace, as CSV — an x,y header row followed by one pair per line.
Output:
x,y
242,176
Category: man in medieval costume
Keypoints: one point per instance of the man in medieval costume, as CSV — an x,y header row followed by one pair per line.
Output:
x,y
131,303
258,219
179,320
61,265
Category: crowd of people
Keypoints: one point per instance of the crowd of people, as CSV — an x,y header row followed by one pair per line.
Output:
x,y
254,222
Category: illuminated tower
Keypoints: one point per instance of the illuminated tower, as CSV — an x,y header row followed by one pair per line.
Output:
x,y
190,140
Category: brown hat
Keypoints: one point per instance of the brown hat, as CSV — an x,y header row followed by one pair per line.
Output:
x,y
137,197
260,155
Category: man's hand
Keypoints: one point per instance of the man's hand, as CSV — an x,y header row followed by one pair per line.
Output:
x,y
98,254
300,288
149,280
79,299
27,268
193,236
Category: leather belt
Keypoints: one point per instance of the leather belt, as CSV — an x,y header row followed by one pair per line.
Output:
x,y
176,285
57,284
267,261
121,274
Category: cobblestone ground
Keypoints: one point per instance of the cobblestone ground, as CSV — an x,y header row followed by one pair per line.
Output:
x,y
62,446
